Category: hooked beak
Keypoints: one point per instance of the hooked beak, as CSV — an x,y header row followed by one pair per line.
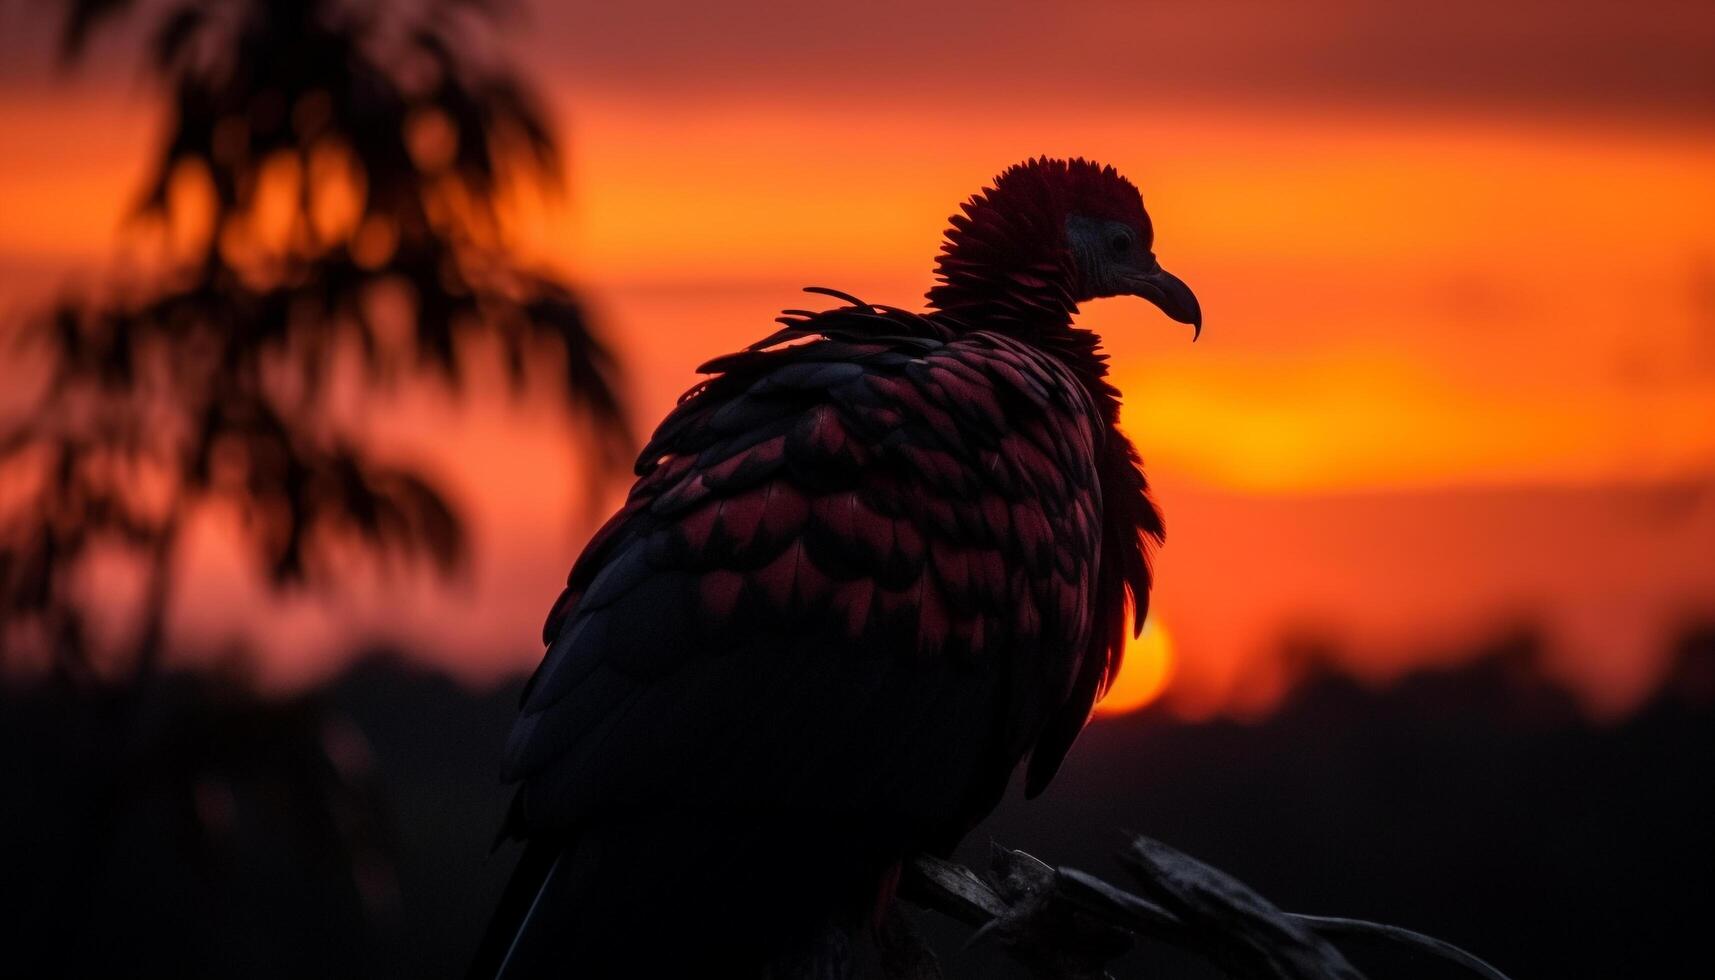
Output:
x,y
1170,293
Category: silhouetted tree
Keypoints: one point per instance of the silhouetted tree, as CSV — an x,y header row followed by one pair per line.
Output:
x,y
344,161
327,194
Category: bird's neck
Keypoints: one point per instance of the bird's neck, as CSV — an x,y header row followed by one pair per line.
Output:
x,y
1014,276
1005,270
1027,301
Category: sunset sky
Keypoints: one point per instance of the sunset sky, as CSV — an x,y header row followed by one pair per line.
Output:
x,y
1457,266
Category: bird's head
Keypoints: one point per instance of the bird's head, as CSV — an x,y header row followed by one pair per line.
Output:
x,y
1056,233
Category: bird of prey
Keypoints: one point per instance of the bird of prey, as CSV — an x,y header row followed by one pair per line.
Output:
x,y
870,564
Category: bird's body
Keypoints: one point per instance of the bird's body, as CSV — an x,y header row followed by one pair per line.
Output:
x,y
869,565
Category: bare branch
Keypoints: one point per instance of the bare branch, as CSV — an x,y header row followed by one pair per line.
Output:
x,y
1066,923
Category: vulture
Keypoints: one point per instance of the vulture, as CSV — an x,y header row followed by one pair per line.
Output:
x,y
870,565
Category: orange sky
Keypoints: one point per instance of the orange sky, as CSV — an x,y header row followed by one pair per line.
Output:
x,y
1446,313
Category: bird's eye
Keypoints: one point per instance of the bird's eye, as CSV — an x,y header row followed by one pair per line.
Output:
x,y
1120,242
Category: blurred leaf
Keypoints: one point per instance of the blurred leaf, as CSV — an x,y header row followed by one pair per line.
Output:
x,y
82,18
175,31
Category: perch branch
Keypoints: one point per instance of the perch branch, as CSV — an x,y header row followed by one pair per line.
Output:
x,y
1067,924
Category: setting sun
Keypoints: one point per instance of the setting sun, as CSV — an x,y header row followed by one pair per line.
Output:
x,y
1144,675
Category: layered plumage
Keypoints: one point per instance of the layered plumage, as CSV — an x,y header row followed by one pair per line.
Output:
x,y
869,565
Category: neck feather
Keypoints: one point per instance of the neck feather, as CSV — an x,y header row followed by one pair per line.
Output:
x,y
1005,271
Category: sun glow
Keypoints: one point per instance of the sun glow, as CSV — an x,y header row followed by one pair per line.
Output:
x,y
1409,388
1144,675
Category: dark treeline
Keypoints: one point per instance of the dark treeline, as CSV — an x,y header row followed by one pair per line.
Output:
x,y
1476,804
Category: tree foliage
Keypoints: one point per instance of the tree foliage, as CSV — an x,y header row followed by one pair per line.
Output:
x,y
327,189
323,220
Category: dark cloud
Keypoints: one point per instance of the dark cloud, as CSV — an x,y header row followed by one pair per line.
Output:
x,y
1607,57
1579,55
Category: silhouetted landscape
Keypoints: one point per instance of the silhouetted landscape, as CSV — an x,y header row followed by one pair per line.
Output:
x,y
305,350
1475,804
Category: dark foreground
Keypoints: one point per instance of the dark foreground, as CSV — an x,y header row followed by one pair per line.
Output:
x,y
347,834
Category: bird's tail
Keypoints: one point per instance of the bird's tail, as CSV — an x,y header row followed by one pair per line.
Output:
x,y
526,894
674,897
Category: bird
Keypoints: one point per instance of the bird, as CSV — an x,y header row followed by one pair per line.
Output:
x,y
871,565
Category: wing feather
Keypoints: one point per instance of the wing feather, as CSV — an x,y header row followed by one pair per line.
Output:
x,y
858,572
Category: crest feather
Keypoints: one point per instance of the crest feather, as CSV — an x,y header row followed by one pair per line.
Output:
x,y
1074,186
